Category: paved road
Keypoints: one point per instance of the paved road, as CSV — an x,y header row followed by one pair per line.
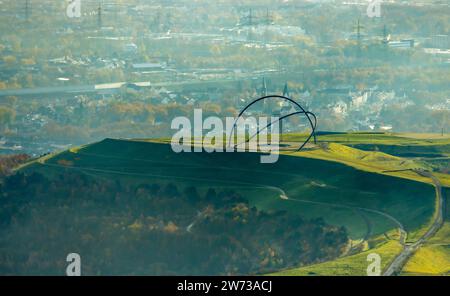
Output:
x,y
48,90
408,250
115,86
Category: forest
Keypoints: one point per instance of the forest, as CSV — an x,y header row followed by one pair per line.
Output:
x,y
121,228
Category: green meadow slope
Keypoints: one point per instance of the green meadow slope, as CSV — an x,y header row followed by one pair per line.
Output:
x,y
434,257
371,193
316,188
418,151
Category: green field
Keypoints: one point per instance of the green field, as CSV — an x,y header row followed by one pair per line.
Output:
x,y
377,138
361,190
434,257
355,265
316,188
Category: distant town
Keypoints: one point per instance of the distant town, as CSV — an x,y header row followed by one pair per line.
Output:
x,y
124,68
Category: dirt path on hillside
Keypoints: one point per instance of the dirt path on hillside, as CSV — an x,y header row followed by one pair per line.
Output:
x,y
408,251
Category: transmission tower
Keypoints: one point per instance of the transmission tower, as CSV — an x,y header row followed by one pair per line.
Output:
x,y
247,20
286,90
264,88
385,35
27,9
269,18
358,28
99,15
287,95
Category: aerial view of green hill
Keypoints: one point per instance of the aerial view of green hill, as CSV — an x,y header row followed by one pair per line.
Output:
x,y
359,201
232,147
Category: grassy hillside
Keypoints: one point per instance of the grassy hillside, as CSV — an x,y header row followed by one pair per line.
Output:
x,y
355,265
381,152
370,192
315,187
434,257
374,138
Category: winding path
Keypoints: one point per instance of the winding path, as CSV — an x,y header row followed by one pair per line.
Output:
x,y
389,217
396,266
240,184
282,193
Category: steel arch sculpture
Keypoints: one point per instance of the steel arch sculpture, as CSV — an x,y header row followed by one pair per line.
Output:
x,y
308,115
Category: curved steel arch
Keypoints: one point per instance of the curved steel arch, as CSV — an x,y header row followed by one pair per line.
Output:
x,y
303,111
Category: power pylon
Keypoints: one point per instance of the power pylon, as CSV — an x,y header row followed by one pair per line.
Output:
x,y
27,9
358,28
99,15
286,90
264,87
248,20
386,36
269,18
